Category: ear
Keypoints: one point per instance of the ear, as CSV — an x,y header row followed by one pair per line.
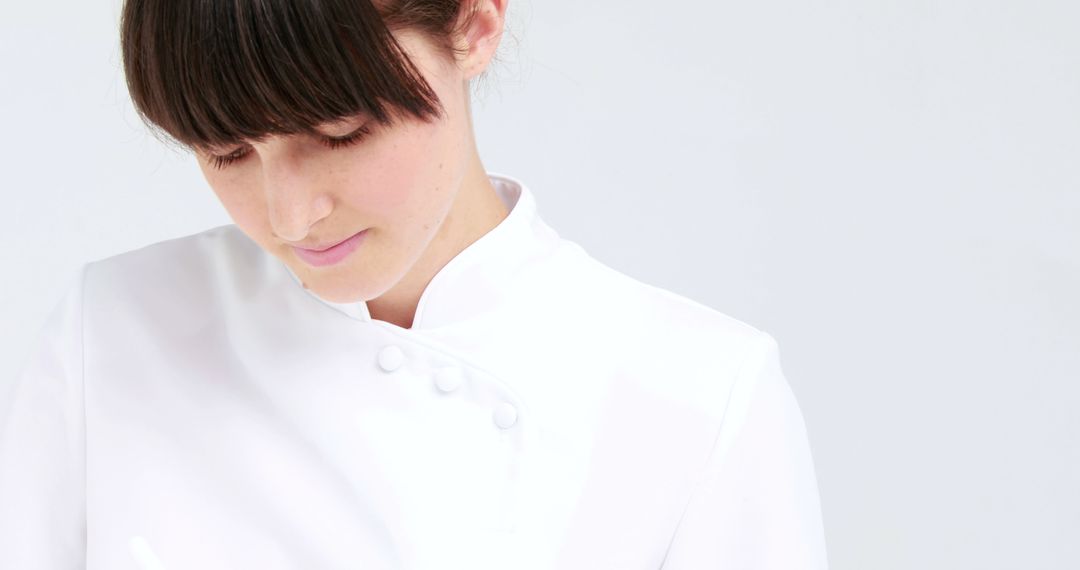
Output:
x,y
479,40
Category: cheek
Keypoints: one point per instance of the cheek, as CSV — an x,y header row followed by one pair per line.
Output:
x,y
407,177
237,202
241,203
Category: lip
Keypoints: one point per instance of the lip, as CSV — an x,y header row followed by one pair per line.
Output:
x,y
332,254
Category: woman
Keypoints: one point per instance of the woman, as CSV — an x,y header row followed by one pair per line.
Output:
x,y
389,360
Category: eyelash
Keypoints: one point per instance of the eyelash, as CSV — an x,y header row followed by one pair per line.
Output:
x,y
220,162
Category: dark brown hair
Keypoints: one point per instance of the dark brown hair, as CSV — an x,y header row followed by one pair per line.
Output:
x,y
215,72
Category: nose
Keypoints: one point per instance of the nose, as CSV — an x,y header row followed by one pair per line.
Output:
x,y
295,195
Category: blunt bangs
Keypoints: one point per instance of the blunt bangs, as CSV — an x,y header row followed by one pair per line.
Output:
x,y
215,72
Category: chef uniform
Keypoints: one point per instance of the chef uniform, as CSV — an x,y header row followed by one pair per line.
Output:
x,y
190,405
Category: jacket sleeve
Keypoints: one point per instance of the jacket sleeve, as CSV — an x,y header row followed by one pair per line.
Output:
x,y
757,506
42,447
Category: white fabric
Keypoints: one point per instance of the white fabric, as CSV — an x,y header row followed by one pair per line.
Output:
x,y
190,405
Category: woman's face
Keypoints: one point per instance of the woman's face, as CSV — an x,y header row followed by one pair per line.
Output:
x,y
395,183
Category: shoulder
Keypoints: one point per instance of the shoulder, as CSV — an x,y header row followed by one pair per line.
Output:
x,y
679,347
620,300
194,270
225,243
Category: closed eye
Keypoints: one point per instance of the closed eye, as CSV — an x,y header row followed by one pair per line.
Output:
x,y
221,161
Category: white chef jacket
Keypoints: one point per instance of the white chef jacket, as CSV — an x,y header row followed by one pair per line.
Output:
x,y
190,405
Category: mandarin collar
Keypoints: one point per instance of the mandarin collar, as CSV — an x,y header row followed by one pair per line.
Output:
x,y
477,280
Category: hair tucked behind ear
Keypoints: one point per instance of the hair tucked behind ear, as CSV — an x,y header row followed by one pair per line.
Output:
x,y
214,72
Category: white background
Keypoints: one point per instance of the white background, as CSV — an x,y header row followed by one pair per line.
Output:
x,y
889,187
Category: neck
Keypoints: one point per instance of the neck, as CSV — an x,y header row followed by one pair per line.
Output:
x,y
476,210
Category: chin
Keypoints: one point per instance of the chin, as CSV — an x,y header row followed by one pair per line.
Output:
x,y
336,294
333,288
347,299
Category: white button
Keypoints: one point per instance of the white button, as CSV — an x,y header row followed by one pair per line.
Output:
x,y
448,378
391,358
505,415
